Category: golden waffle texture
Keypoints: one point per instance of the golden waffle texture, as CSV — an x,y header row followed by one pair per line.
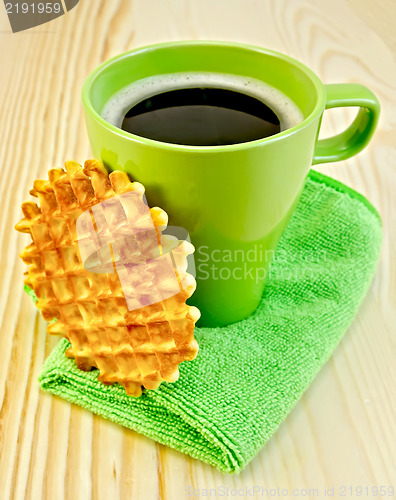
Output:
x,y
132,346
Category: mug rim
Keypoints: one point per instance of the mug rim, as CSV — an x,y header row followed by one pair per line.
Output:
x,y
317,111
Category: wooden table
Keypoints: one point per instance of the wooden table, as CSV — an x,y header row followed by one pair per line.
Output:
x,y
343,431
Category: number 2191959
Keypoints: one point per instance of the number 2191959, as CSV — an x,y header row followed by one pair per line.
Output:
x,y
32,8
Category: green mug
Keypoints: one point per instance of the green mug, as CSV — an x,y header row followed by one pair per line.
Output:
x,y
234,200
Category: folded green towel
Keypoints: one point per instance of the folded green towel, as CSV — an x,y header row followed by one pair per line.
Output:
x,y
248,376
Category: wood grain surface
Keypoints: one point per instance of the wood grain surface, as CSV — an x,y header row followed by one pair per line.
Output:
x,y
343,431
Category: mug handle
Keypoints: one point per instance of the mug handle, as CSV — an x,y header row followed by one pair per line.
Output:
x,y
358,134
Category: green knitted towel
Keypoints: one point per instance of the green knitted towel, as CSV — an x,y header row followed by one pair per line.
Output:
x,y
248,376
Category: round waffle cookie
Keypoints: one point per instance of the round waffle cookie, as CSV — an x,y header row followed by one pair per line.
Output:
x,y
129,322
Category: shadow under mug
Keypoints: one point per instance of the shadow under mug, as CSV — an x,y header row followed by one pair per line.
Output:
x,y
234,200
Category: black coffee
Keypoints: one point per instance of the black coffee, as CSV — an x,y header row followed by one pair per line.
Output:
x,y
194,108
201,117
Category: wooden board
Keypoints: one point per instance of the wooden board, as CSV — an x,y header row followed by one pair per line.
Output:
x,y
343,431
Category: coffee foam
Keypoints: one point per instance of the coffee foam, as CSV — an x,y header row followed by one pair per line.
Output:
x,y
120,103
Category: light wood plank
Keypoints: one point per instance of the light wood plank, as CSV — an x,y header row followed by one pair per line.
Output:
x,y
343,431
